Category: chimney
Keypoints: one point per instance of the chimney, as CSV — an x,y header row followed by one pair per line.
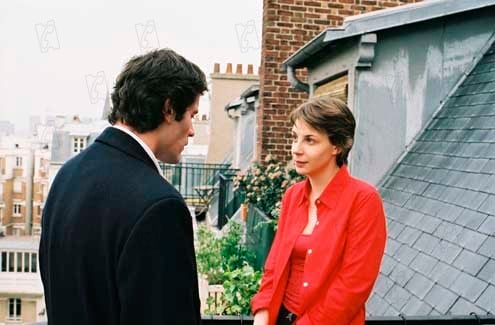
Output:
x,y
229,68
238,69
250,69
216,68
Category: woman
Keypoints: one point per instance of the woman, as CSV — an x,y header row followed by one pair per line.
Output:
x,y
331,234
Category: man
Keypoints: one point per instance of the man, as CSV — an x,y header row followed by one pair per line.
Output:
x,y
117,242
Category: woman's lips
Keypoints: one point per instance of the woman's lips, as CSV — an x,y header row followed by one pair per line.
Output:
x,y
300,163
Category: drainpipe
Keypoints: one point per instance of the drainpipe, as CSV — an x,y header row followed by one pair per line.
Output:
x,y
296,83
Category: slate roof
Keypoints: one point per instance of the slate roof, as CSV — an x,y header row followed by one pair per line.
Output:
x,y
440,206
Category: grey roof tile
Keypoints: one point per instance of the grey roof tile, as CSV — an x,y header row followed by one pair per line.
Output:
x,y
401,274
405,254
388,264
471,239
397,296
448,231
488,205
487,273
471,199
391,311
383,285
470,262
449,212
426,243
486,300
408,236
419,285
471,219
489,166
398,198
469,287
452,195
488,226
416,307
429,224
488,247
475,165
416,186
394,228
391,247
491,151
435,191
444,274
422,204
376,305
396,183
446,251
440,298
423,264
464,307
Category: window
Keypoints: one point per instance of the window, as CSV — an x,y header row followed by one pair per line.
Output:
x,y
78,144
11,262
4,262
19,262
34,262
26,262
15,308
17,210
39,210
18,161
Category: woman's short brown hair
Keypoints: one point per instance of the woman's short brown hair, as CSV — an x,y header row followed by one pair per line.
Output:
x,y
331,116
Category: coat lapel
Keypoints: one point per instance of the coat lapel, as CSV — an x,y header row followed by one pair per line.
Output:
x,y
123,142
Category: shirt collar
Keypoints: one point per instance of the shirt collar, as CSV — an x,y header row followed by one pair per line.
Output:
x,y
142,144
335,186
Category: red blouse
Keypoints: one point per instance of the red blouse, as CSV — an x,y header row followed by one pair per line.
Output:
x,y
292,299
348,245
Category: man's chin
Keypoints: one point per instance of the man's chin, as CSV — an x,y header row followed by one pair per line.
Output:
x,y
171,160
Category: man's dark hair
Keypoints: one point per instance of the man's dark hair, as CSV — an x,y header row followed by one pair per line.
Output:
x,y
145,84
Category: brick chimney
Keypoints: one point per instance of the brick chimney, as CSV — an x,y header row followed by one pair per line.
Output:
x,y
287,26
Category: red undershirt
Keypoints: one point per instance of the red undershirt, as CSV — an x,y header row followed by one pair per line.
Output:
x,y
291,299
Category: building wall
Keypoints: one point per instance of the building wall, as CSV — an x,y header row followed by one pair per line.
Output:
x,y
287,26
29,313
415,69
225,87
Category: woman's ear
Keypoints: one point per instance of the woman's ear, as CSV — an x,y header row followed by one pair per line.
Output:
x,y
168,111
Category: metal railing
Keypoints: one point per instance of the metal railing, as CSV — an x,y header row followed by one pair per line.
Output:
x,y
229,200
196,182
259,235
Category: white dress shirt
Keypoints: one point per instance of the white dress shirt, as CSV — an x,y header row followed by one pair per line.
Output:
x,y
141,142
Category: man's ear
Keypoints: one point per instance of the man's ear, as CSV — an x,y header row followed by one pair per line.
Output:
x,y
168,111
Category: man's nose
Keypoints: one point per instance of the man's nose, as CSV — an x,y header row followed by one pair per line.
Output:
x,y
191,132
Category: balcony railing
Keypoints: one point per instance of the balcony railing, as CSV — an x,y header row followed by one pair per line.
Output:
x,y
196,182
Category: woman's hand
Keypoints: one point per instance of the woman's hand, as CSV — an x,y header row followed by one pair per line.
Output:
x,y
261,317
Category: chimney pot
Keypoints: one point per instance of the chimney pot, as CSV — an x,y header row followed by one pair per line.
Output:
x,y
216,68
229,68
250,69
238,69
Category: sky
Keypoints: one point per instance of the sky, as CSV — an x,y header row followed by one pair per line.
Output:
x,y
60,57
